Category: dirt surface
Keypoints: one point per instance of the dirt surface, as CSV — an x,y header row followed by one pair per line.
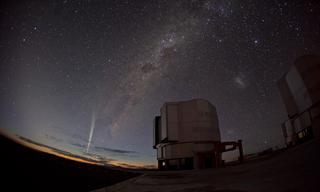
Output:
x,y
292,170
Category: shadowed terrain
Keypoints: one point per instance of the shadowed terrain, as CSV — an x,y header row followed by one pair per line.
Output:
x,y
296,169
26,169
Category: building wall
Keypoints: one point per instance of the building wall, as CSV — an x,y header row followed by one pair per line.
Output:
x,y
181,125
300,91
300,87
309,69
173,121
194,120
287,97
163,112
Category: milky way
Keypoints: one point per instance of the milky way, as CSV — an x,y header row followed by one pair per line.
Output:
x,y
89,76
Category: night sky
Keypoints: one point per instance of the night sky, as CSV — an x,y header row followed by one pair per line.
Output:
x,y
69,67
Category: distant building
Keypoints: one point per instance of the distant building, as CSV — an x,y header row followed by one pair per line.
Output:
x,y
187,136
300,91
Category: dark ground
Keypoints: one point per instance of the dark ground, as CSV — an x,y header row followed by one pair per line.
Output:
x,y
25,169
295,169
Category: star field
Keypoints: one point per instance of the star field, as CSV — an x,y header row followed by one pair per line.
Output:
x,y
67,64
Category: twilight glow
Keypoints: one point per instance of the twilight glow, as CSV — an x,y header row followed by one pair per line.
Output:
x,y
88,77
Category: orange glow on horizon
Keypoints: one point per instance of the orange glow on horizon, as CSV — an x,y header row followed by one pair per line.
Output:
x,y
45,149
128,165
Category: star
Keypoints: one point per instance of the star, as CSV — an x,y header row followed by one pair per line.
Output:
x,y
65,61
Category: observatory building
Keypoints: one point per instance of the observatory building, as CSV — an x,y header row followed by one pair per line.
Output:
x,y
187,136
300,91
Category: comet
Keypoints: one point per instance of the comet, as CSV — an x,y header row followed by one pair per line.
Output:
x,y
92,126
